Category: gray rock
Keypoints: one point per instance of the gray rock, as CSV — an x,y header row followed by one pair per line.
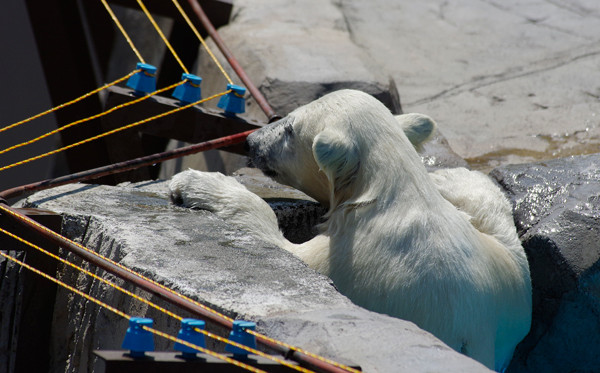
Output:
x,y
202,257
557,211
295,53
508,82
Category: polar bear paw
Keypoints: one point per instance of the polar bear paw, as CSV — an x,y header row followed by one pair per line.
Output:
x,y
228,199
204,190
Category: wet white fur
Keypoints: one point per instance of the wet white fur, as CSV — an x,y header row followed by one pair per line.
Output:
x,y
437,249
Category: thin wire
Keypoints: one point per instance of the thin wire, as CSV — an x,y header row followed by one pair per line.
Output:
x,y
51,232
195,30
68,287
70,102
151,304
294,348
253,350
93,275
113,131
114,108
116,20
206,351
164,38
126,316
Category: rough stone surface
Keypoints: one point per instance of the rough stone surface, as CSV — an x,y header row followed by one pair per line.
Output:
x,y
295,52
203,257
508,81
557,211
11,285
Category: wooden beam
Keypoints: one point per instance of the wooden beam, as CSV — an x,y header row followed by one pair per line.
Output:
x,y
192,125
165,362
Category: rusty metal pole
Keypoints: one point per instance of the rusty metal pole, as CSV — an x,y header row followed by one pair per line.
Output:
x,y
171,297
233,62
126,165
289,353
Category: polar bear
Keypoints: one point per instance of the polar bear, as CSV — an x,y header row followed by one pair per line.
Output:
x,y
438,249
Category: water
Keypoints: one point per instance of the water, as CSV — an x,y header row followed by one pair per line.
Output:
x,y
558,146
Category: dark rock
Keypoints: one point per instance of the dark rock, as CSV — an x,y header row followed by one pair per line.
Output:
x,y
436,153
557,212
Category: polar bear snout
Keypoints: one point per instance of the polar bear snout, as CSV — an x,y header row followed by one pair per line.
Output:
x,y
267,144
256,148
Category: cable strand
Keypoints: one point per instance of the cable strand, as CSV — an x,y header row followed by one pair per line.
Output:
x,y
151,304
126,316
120,27
131,125
70,102
96,116
163,37
208,50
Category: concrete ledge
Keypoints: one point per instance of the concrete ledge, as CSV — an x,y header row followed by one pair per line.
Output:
x,y
204,258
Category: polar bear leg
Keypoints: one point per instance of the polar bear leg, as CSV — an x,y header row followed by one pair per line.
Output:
x,y
231,201
228,199
476,194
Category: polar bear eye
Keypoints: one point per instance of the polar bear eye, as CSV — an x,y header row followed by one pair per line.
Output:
x,y
288,128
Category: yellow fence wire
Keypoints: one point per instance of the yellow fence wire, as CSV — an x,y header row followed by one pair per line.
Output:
x,y
126,316
151,304
208,50
99,115
162,35
120,27
135,124
70,102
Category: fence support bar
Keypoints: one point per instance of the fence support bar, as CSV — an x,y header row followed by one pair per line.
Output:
x,y
233,62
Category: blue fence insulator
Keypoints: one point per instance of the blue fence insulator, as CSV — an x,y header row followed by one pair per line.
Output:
x,y
137,339
189,91
238,334
144,81
189,334
233,102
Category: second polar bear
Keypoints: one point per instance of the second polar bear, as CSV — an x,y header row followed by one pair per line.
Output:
x,y
437,249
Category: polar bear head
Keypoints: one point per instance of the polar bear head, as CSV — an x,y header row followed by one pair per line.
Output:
x,y
330,148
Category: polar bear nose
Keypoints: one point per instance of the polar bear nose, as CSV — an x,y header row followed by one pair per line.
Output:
x,y
251,143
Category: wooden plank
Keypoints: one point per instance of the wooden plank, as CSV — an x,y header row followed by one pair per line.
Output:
x,y
192,125
165,362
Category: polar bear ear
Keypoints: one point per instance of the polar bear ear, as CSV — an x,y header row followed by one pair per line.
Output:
x,y
417,127
338,157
